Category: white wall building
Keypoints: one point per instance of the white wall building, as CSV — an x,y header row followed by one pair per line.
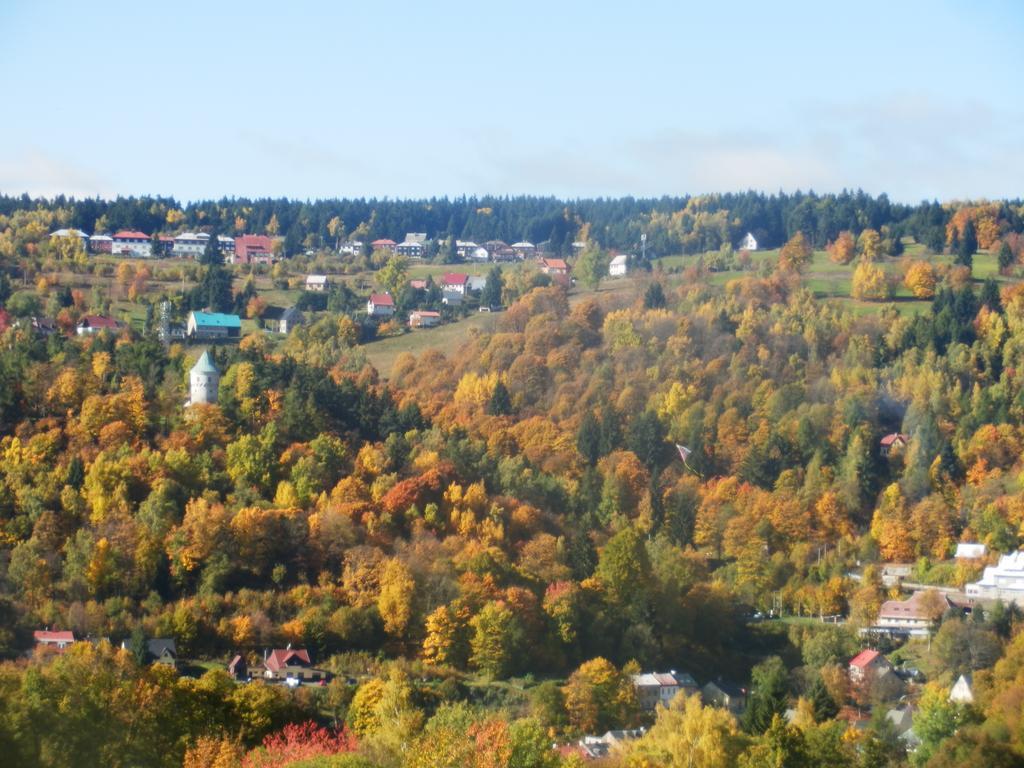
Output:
x,y
204,378
619,265
190,245
748,243
1004,581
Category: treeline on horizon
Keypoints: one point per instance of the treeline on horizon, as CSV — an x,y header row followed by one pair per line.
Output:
x,y
673,224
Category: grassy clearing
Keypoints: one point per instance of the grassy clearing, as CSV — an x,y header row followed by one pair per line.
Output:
x,y
382,353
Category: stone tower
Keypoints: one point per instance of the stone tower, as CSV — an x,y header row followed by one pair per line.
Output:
x,y
203,380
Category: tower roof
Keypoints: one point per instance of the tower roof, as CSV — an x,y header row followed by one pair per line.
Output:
x,y
205,364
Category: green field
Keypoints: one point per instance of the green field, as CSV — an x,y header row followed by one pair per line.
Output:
x,y
382,353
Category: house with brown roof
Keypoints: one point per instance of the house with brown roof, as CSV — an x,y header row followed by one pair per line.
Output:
x,y
380,305
58,640
237,668
291,664
383,245
253,249
720,693
424,318
131,243
915,615
554,267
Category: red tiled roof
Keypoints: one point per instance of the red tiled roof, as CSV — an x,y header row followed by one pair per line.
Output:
x,y
418,283
283,657
555,264
890,439
382,300
126,234
48,636
454,278
426,313
254,241
864,658
381,242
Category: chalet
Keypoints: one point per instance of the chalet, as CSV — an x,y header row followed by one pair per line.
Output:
x,y
479,254
291,664
970,551
101,244
554,267
383,245
962,691
1004,581
498,250
748,243
131,243
413,246
317,283
868,665
915,615
730,696
91,324
454,282
212,326
653,688
57,640
237,668
351,247
162,650
424,318
380,305
619,265
892,445
524,250
253,249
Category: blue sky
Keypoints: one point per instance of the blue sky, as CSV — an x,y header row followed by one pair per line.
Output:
x,y
407,99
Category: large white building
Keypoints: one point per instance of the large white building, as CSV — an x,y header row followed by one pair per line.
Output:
x,y
619,265
130,243
1004,581
190,245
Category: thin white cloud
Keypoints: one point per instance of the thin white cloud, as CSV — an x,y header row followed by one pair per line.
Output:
x,y
42,173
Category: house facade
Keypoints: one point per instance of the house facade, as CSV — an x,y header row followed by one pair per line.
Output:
x,y
454,282
730,696
131,243
284,664
414,245
619,265
190,245
101,244
1004,581
554,267
91,324
213,326
56,640
748,243
203,380
893,444
868,665
915,615
253,249
380,305
424,318
383,245
318,283
654,688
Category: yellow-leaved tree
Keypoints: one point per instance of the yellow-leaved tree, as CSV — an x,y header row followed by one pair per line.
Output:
x,y
920,279
688,735
869,282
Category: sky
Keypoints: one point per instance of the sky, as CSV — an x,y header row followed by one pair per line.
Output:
x,y
315,99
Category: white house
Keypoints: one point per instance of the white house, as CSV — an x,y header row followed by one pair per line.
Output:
x,y
190,245
1004,581
413,246
914,616
424,318
380,305
653,688
454,282
130,243
748,243
476,282
970,551
351,248
316,283
619,265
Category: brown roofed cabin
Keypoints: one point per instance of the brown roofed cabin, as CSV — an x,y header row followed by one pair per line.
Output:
x,y
893,444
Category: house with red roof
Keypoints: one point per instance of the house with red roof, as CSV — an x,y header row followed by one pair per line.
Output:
x,y
893,444
91,324
454,282
58,640
868,665
384,245
380,305
554,267
253,249
131,243
291,664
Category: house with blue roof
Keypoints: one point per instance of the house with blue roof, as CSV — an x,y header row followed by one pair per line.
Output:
x,y
211,326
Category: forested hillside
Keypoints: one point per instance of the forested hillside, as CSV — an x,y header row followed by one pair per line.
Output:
x,y
484,546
